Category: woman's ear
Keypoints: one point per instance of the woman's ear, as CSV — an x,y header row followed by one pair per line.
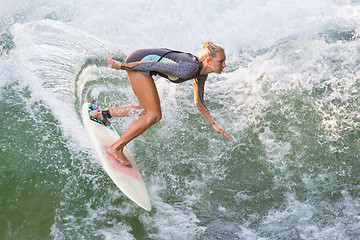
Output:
x,y
207,60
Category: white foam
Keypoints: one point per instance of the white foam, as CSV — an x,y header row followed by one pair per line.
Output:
x,y
275,48
169,220
185,24
53,54
6,76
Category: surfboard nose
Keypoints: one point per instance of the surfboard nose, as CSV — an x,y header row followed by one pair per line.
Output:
x,y
127,179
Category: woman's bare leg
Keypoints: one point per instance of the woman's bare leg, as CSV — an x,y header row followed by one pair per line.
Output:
x,y
146,92
127,110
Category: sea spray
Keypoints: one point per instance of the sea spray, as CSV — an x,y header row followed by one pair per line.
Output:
x,y
289,97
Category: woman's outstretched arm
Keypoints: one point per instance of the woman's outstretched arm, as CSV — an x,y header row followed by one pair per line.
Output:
x,y
199,102
182,70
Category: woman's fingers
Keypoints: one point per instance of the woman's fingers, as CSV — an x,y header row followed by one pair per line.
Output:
x,y
222,131
114,64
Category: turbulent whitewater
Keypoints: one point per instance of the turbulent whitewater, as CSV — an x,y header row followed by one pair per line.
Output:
x,y
289,96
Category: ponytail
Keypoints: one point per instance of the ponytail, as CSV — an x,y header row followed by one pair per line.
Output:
x,y
209,50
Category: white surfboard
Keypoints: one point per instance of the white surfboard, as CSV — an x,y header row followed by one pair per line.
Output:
x,y
128,179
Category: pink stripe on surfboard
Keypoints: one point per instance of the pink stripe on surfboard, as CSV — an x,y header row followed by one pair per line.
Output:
x,y
118,166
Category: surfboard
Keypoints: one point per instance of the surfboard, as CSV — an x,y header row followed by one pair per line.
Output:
x,y
127,179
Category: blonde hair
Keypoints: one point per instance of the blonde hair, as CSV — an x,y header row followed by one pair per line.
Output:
x,y
209,50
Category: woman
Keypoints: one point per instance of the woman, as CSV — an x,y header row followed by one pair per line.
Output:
x,y
173,65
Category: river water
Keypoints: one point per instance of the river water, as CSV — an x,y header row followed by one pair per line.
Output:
x,y
289,97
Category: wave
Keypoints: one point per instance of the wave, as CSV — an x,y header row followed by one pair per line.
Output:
x,y
289,97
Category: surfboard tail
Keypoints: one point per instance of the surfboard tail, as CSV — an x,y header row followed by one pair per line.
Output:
x,y
127,179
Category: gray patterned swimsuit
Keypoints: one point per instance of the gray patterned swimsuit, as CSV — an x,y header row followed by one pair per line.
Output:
x,y
176,66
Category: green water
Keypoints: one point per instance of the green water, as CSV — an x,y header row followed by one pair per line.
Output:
x,y
290,102
50,188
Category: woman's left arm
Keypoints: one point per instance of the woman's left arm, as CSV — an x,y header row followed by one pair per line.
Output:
x,y
199,102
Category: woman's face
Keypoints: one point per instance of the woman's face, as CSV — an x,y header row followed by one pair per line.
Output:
x,y
217,63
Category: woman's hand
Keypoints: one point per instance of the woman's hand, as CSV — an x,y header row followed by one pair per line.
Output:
x,y
114,64
222,131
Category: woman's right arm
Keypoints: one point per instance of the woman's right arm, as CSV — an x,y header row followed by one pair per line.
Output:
x,y
199,102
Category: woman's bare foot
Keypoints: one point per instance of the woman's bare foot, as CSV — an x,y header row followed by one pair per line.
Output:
x,y
119,156
98,115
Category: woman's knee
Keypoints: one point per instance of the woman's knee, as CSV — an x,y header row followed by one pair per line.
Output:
x,y
153,117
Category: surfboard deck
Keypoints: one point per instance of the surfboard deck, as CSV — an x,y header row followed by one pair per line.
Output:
x,y
127,179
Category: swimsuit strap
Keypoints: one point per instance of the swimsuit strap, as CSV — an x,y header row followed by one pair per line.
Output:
x,y
162,56
171,51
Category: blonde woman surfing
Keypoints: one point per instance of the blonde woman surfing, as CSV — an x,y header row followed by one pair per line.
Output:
x,y
177,67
